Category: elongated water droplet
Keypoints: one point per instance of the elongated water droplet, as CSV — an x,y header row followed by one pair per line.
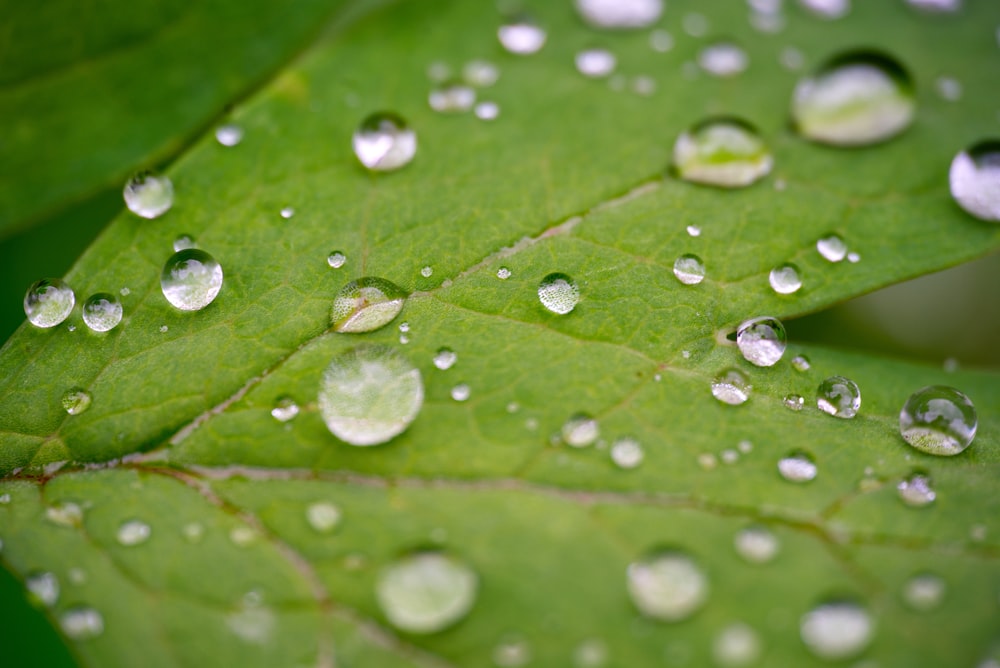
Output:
x,y
736,645
785,279
191,279
975,180
689,269
797,467
44,587
102,312
285,409
133,532
724,59
580,430
794,402
839,397
832,248
756,544
48,302
229,134
365,304
452,97
938,420
762,340
924,592
558,293
667,585
76,401
837,630
82,623
724,152
626,453
369,395
149,195
731,387
522,36
855,99
916,491
426,592
323,516
801,363
384,142
595,63
620,13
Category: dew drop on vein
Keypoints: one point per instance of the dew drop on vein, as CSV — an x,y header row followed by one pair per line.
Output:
x,y
366,304
426,592
839,396
384,142
149,195
191,279
762,340
725,152
667,585
938,420
102,312
48,302
620,14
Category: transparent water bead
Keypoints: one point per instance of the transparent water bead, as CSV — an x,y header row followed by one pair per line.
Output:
x,y
487,111
365,304
81,623
149,195
445,358
916,491
731,387
785,279
580,430
839,397
336,259
801,363
48,302
285,409
461,392
756,544
689,269
522,36
427,271
252,622
229,134
452,97
44,586
503,273
191,279
620,13
558,293
938,420
480,73
837,630
426,592
924,592
798,466
724,59
661,41
974,178
102,312
76,400
832,247
855,99
323,516
693,231
595,63
723,152
183,241
369,395
736,645
762,340
668,586
626,453
384,142
287,212
794,402
133,532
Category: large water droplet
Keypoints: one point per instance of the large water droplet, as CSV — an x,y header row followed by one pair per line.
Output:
x,y
426,592
836,630
736,645
149,195
452,97
369,395
285,409
626,453
595,63
731,387
102,311
580,430
975,180
915,490
76,401
133,532
229,134
558,293
761,340
323,516
689,269
756,544
82,623
724,152
938,420
855,99
366,304
48,302
936,6
839,397
724,59
191,279
785,279
668,586
522,36
620,13
798,466
924,592
44,587
832,247
384,142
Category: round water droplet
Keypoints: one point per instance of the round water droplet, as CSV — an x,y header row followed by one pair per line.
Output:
x,y
82,623
323,516
229,134
723,152
729,456
558,293
580,430
839,397
785,279
336,259
693,231
512,652
287,212
191,279
689,269
856,99
916,491
620,13
731,387
832,248
252,622
503,273
591,653
794,402
756,544
384,142
48,302
149,195
480,73
801,363
461,392
853,257
452,97
133,532
626,453
643,85
668,586
445,358
44,587
837,630
76,401
736,645
797,467
595,63
102,312
427,271
366,304
522,36
724,59
761,340
975,180
285,409
426,592
938,420
369,395
924,592
487,111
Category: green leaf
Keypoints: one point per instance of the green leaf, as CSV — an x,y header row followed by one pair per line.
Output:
x,y
570,178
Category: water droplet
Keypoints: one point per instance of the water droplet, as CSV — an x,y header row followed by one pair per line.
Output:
x,y
839,397
689,269
102,312
452,97
938,420
522,36
785,279
729,456
124,292
667,585
323,516
503,273
426,592
643,85
48,302
761,340
149,195
707,461
731,387
695,25
745,447
461,392
936,6
365,304
626,453
133,532
487,111
76,401
661,41
693,230
44,587
445,358
558,293
855,99
724,59
723,152
191,279
252,622
827,9
853,257
404,327
924,592
183,242
512,652
438,71
287,212
736,645
591,653
620,13
384,142
595,63
756,544
836,630
82,623
974,175
229,134
949,88
65,514
4,498
794,402
164,329
797,467
193,532
243,536
284,409
336,259
480,73
801,363
580,430
916,491
832,248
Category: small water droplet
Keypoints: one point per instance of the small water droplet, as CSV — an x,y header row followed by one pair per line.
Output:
x,y
693,231
853,257
323,516
384,142
336,259
729,456
744,447
836,630
591,653
438,71
798,466
827,9
252,622
243,536
667,585
839,397
916,491
761,340
756,544
707,461
480,73
626,453
191,279
4,498
801,363
832,247
595,63
503,273
461,392
973,177
426,592
643,85
513,407
133,532
736,645
794,402
522,36
48,302
229,134
287,212
102,312
487,111
724,152
445,358
580,430
695,25
164,329
938,420
82,623
149,195
661,41
366,304
924,592
285,409
183,242
785,279
511,652
44,587
193,532
76,401
731,387
65,514
689,269
452,97
558,293
949,88
404,326
723,59
124,292
620,14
